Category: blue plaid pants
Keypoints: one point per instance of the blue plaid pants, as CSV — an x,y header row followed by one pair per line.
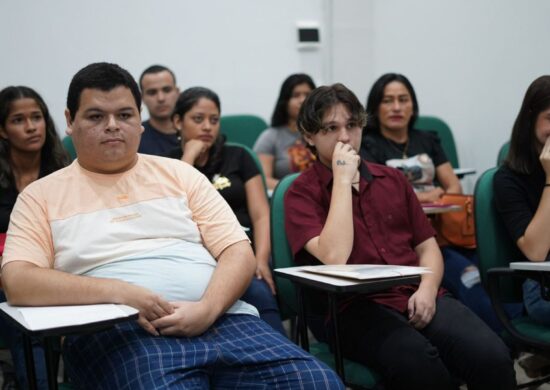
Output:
x,y
237,352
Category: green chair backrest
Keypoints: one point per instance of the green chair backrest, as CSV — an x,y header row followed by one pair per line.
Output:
x,y
494,247
243,129
254,157
280,249
69,147
442,129
503,153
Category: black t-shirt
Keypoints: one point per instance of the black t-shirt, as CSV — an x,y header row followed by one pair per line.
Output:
x,y
234,168
157,143
8,196
517,197
417,158
377,148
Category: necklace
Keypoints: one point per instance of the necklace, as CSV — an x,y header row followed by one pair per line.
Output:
x,y
397,147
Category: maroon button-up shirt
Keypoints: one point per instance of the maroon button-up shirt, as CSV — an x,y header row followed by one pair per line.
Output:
x,y
388,221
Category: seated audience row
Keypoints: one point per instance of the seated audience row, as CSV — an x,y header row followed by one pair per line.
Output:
x,y
318,131
169,246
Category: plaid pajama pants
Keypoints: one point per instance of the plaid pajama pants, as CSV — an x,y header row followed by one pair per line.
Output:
x,y
237,352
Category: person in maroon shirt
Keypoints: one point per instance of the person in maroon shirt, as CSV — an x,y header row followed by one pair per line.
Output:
x,y
346,211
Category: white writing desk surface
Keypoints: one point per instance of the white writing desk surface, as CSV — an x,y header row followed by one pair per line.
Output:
x,y
43,318
531,265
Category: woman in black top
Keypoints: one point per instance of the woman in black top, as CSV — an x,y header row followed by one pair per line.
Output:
x,y
235,175
29,150
390,139
29,145
522,193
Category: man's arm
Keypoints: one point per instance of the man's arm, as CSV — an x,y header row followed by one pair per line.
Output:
x,y
233,273
421,305
335,243
26,284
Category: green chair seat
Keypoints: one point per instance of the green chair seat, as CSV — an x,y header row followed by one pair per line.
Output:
x,y
530,328
442,129
355,372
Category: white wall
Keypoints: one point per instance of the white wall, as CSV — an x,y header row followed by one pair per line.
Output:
x,y
242,49
470,61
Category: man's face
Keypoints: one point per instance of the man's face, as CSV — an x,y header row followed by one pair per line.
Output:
x,y
106,130
159,94
337,126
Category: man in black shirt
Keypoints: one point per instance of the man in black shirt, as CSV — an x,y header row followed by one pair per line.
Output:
x,y
159,90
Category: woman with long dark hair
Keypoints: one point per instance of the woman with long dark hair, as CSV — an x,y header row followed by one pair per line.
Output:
x,y
391,139
522,189
29,149
280,148
234,174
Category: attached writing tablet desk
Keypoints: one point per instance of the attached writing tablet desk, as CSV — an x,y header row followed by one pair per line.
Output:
x,y
334,286
49,323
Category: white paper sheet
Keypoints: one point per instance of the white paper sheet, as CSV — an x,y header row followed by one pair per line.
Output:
x,y
366,271
48,317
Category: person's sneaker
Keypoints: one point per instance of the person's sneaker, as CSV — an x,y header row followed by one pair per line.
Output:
x,y
535,366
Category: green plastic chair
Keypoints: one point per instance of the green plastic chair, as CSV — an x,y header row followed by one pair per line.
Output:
x,y
243,129
503,153
442,129
254,157
69,147
357,375
495,251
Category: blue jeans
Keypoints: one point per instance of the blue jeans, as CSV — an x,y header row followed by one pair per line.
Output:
x,y
259,295
475,297
14,340
537,307
237,352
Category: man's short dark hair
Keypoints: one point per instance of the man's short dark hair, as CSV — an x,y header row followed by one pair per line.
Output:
x,y
320,100
102,76
155,69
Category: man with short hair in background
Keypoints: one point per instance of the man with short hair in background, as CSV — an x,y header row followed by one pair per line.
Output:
x,y
159,91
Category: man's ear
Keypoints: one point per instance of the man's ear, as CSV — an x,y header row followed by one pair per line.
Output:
x,y
308,139
69,129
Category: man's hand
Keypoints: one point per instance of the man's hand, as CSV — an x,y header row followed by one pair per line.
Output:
x,y
263,272
151,306
421,308
189,319
345,162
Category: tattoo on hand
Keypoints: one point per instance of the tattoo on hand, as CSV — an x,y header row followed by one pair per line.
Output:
x,y
340,162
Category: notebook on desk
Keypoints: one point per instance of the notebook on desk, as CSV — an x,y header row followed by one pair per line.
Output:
x,y
366,271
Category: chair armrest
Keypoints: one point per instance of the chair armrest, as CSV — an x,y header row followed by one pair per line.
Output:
x,y
461,172
494,277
